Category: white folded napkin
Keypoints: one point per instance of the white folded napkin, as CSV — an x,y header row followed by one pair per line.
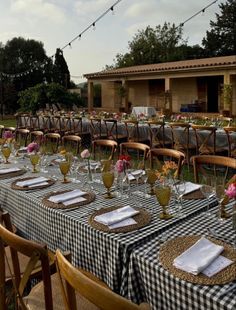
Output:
x,y
32,182
66,196
116,216
138,172
9,170
190,187
73,201
198,256
38,185
131,177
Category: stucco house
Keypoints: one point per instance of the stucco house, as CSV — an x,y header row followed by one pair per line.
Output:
x,y
207,85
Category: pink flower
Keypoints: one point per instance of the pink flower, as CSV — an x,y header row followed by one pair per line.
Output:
x,y
7,135
119,166
178,117
32,147
85,154
231,191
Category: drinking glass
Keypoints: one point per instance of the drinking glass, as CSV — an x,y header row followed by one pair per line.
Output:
x,y
64,168
179,188
44,162
220,195
207,190
34,159
108,179
137,174
6,151
151,179
163,194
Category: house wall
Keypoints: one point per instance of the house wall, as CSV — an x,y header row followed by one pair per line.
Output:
x,y
138,93
110,100
184,91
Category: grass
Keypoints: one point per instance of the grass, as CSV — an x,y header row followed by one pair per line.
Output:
x,y
8,122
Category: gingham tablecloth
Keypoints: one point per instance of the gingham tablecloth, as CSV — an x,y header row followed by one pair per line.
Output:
x,y
107,255
149,281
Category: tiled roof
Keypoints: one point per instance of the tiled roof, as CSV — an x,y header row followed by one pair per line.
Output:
x,y
168,66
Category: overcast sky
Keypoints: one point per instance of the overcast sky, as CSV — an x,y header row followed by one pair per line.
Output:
x,y
56,22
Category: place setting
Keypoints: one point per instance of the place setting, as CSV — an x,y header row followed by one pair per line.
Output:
x,y
6,173
31,183
68,199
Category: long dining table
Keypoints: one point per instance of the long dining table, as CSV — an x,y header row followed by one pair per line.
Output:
x,y
108,255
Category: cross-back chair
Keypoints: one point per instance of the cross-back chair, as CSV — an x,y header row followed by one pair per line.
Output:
x,y
164,154
11,129
157,134
140,150
23,121
206,140
214,165
52,141
97,130
103,145
46,124
22,135
112,131
36,136
231,138
82,129
133,132
34,123
72,143
73,281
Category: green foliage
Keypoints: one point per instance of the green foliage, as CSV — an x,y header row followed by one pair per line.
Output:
x,y
61,74
221,39
35,98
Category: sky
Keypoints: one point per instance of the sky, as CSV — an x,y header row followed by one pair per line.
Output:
x,y
57,22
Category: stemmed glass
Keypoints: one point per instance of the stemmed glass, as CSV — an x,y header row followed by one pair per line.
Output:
x,y
179,189
163,194
34,159
64,168
151,179
207,190
108,179
137,174
220,195
6,151
44,162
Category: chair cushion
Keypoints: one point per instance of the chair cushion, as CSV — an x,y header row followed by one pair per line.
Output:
x,y
35,300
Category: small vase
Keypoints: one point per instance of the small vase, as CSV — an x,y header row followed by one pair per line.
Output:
x,y
89,175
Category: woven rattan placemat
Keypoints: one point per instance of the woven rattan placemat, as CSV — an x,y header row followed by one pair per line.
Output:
x,y
194,195
174,247
12,174
26,188
89,196
142,219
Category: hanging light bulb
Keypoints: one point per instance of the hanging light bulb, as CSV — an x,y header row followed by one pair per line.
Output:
x,y
94,26
112,10
70,45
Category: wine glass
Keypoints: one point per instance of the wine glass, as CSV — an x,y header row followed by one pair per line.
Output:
x,y
6,151
151,179
207,190
108,179
34,159
64,168
179,188
220,195
137,174
163,194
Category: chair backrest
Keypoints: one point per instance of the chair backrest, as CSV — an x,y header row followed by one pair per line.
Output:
x,y
22,135
52,141
111,129
104,144
139,148
98,295
180,138
11,129
132,130
34,122
167,154
36,252
205,139
212,160
1,130
96,128
36,136
157,133
72,142
231,138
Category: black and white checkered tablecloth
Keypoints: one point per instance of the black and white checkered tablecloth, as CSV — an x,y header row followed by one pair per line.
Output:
x,y
149,281
107,255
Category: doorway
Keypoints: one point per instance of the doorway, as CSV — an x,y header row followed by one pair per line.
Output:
x,y
213,84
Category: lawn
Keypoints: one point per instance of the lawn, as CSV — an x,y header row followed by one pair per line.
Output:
x,y
8,122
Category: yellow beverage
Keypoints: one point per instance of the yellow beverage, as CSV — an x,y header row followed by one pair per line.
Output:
x,y
106,165
151,176
64,167
34,159
108,178
6,151
163,195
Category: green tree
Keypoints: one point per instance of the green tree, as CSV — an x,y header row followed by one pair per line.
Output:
x,y
61,73
221,39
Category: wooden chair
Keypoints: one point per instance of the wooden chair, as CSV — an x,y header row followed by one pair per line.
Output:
x,y
1,130
112,131
34,123
81,129
52,141
203,163
206,140
11,129
138,148
36,136
22,135
23,120
73,281
97,130
167,154
133,132
181,141
157,134
98,145
72,143
231,138
36,253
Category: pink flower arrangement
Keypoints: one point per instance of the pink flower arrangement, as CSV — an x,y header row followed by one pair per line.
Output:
x,y
8,135
85,154
178,117
123,163
231,190
32,147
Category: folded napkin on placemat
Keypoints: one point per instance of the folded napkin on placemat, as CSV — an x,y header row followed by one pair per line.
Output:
x,y
198,256
131,177
31,182
117,218
190,187
9,170
68,197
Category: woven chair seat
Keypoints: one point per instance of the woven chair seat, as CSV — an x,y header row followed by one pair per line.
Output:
x,y
35,300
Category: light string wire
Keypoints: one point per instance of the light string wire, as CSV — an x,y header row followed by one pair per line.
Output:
x,y
92,25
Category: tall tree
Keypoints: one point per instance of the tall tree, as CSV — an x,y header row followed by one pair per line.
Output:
x,y
221,39
61,73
